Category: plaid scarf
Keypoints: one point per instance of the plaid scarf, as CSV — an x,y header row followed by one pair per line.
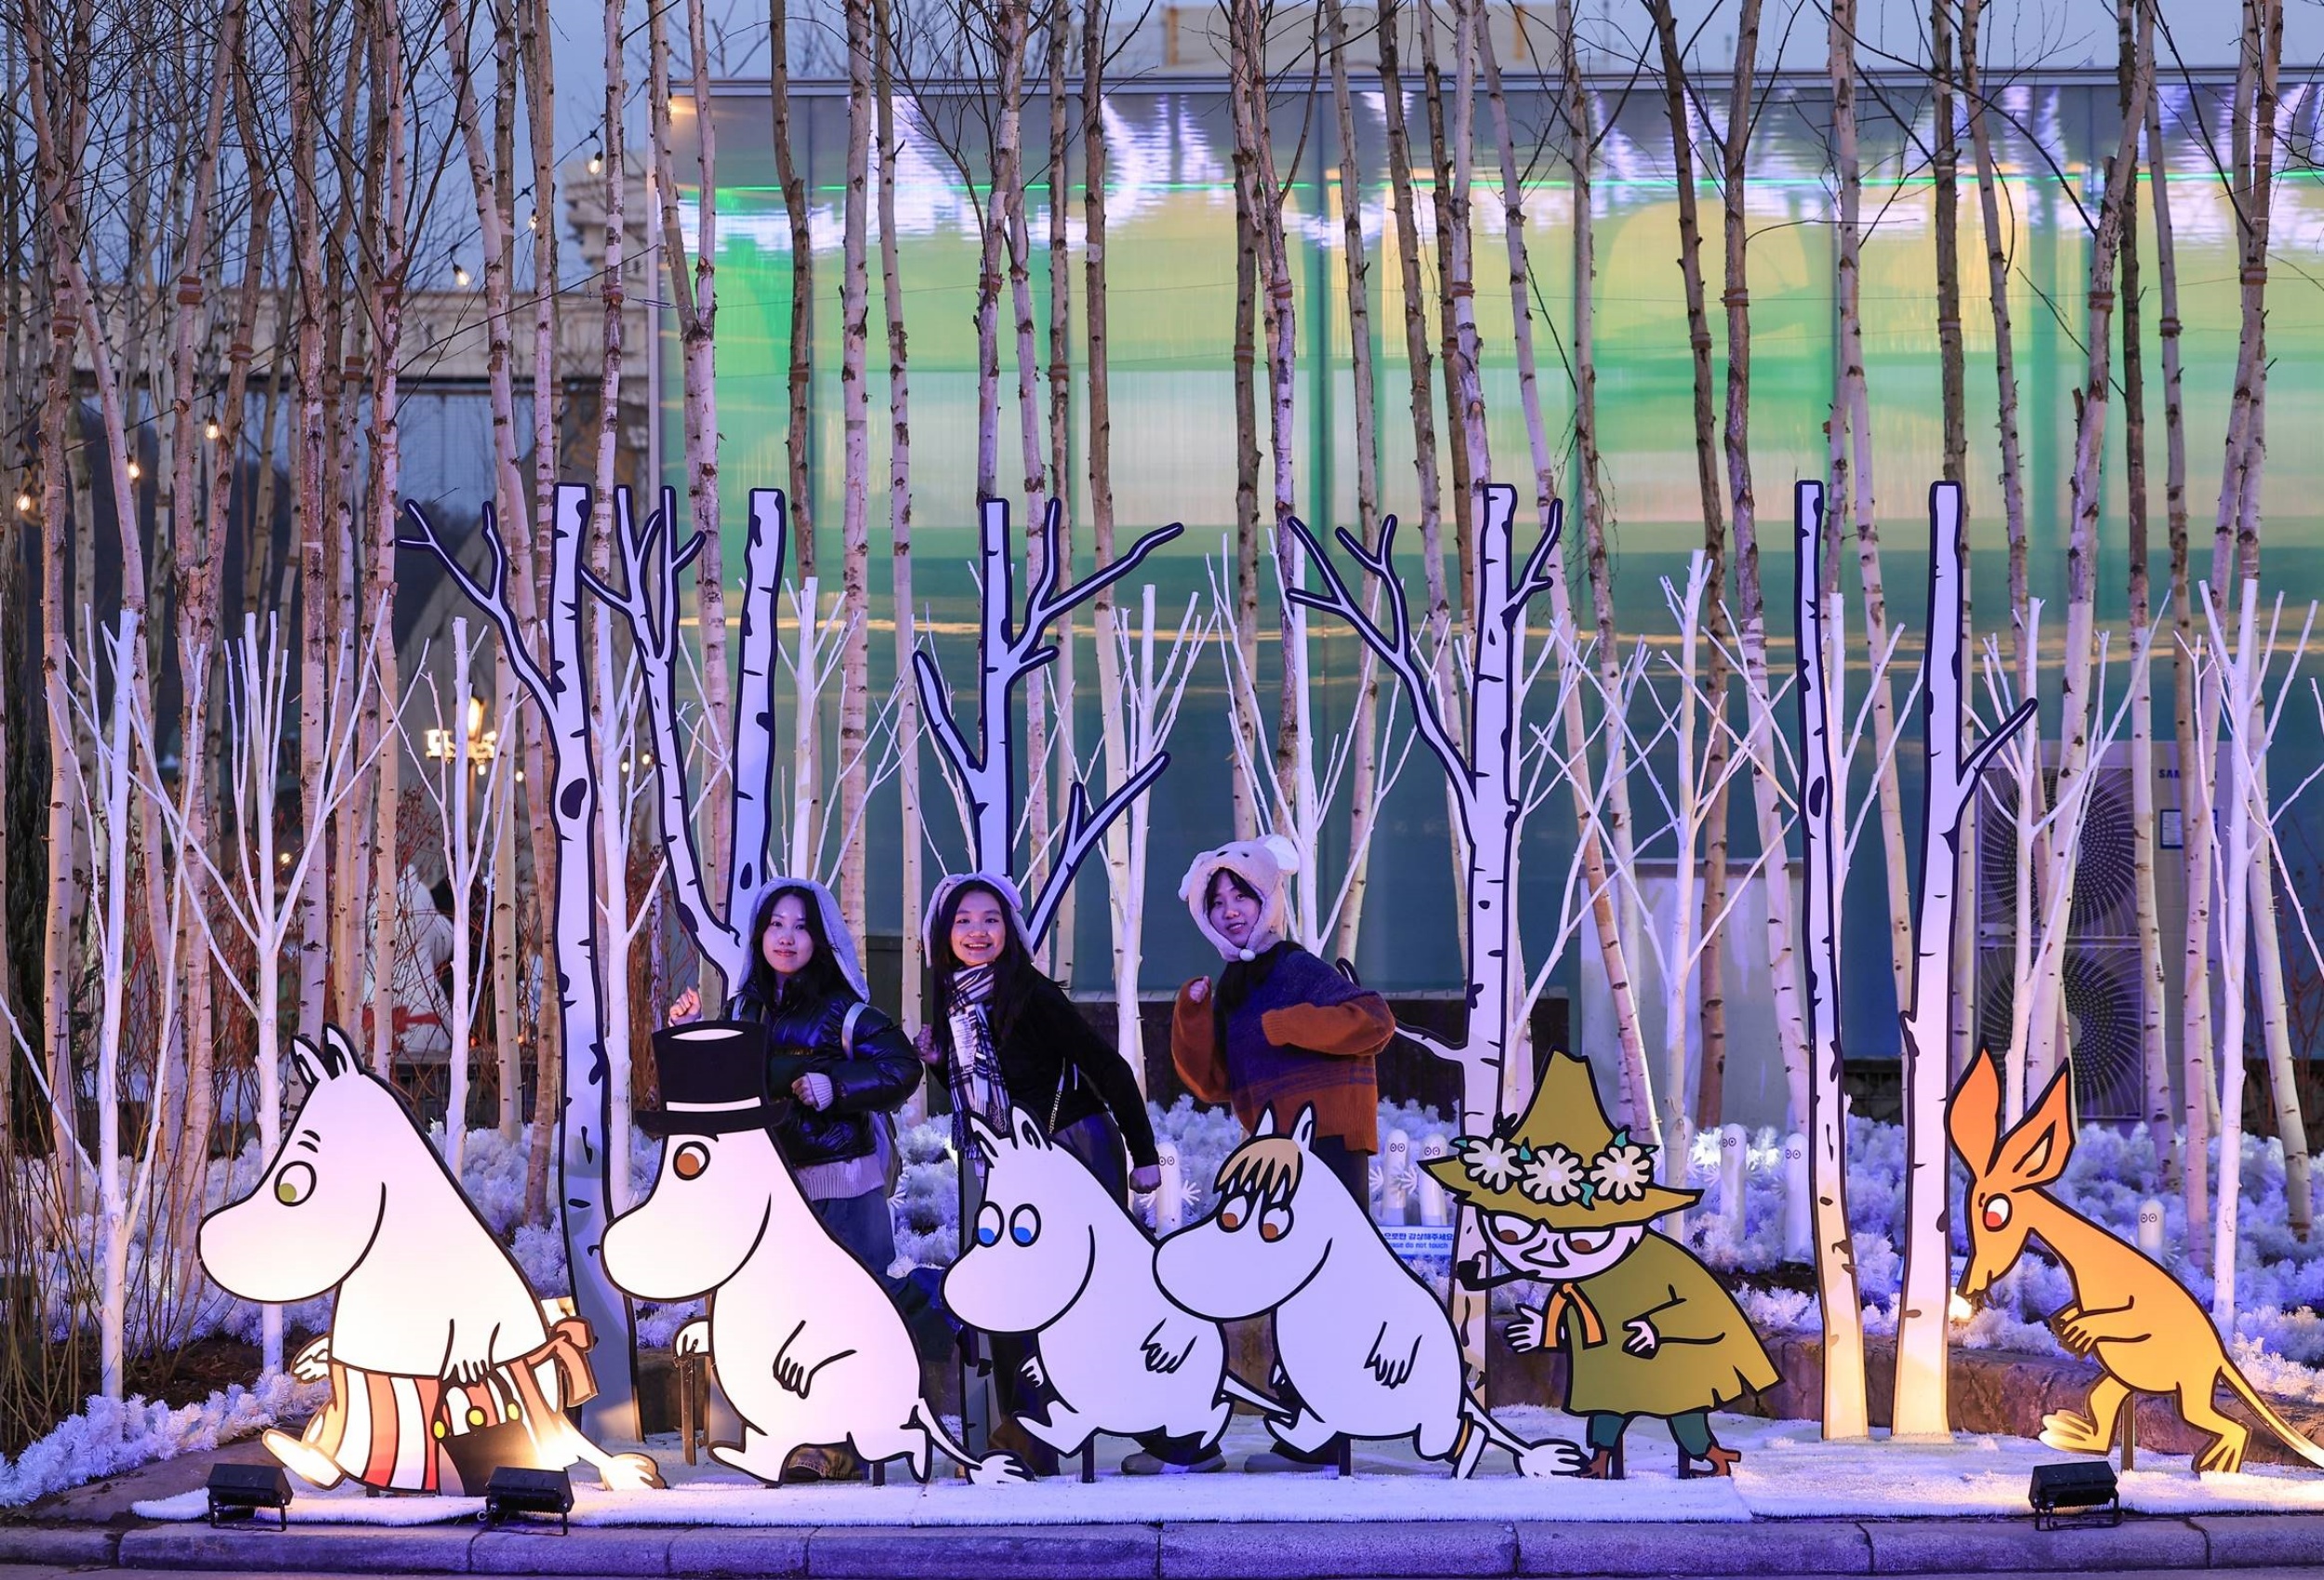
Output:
x,y
973,1072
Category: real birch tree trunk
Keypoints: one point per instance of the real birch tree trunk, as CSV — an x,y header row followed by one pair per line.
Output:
x,y
1852,413
1751,634
1364,754
2192,1145
2263,26
1419,360
855,503
1707,1111
2075,703
1953,375
900,504
2154,1059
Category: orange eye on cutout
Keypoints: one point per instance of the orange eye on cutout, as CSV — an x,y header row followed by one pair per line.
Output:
x,y
1234,1212
690,1161
1997,1212
1275,1223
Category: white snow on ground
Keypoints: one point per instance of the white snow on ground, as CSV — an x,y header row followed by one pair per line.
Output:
x,y
110,1436
1787,1474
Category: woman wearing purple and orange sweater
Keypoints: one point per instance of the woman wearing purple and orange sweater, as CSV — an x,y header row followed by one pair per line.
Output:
x,y
1281,1031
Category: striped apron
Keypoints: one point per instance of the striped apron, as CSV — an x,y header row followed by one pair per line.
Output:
x,y
397,1432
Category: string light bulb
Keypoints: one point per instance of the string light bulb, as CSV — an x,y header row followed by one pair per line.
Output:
x,y
460,274
210,429
597,159
23,503
136,471
533,221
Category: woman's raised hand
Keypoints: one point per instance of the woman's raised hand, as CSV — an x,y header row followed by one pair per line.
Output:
x,y
1198,990
686,1007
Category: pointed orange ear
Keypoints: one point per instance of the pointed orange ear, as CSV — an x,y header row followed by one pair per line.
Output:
x,y
1973,1117
2036,1151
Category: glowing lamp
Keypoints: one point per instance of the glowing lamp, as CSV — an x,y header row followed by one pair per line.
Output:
x,y
2081,1491
518,1491
239,1491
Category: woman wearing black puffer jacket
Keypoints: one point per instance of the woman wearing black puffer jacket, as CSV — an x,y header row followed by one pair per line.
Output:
x,y
839,1066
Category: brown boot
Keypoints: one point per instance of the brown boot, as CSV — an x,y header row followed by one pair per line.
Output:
x,y
1721,1462
814,1463
1601,1466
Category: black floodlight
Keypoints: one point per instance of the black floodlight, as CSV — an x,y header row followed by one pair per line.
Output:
x,y
238,1492
517,1490
2080,1492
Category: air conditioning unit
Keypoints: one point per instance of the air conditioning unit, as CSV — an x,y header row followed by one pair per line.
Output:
x,y
2104,989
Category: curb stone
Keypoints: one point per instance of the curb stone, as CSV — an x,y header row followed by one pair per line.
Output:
x,y
990,1552
58,1544
1607,1547
1282,1551
1321,1551
1927,1547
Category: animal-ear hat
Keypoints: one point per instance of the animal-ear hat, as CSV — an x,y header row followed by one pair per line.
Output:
x,y
1263,865
1563,1165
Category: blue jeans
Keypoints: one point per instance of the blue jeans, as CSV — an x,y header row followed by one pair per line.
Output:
x,y
862,1225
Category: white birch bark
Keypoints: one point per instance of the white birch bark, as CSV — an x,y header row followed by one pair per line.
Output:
x,y
985,773
1951,769
1845,1413
1487,783
558,691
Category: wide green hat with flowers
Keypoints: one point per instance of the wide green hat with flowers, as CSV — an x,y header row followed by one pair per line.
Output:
x,y
1563,1163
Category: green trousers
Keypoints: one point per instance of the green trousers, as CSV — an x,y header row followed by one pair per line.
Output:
x,y
1691,1431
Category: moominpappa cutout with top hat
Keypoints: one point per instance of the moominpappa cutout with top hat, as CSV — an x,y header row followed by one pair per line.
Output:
x,y
804,1342
1363,1349
1646,1330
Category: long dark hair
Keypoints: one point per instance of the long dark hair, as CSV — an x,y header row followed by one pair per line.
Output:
x,y
1010,971
820,976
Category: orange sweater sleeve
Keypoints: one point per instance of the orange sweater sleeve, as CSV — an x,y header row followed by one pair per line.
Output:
x,y
1193,1047
1351,1030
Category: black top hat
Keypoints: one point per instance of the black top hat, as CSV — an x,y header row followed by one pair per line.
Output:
x,y
714,1079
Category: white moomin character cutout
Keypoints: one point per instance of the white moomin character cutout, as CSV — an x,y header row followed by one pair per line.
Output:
x,y
1052,1257
438,1352
805,1342
1363,1350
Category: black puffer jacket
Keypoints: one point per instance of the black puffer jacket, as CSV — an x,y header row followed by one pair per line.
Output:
x,y
872,1068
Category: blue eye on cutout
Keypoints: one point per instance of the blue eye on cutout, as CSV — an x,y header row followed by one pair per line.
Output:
x,y
1025,1226
988,1225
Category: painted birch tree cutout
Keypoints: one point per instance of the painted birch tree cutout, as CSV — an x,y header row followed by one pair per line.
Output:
x,y
1845,1413
985,773
1487,794
1951,770
648,602
558,689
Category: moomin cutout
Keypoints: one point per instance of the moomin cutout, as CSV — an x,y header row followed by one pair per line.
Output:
x,y
1053,1257
805,1343
2147,1332
442,1366
1362,1350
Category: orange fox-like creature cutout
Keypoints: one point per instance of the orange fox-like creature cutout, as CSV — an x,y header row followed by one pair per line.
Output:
x,y
2145,1330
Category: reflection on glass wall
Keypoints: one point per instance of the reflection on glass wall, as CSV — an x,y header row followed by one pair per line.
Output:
x,y
1171,306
